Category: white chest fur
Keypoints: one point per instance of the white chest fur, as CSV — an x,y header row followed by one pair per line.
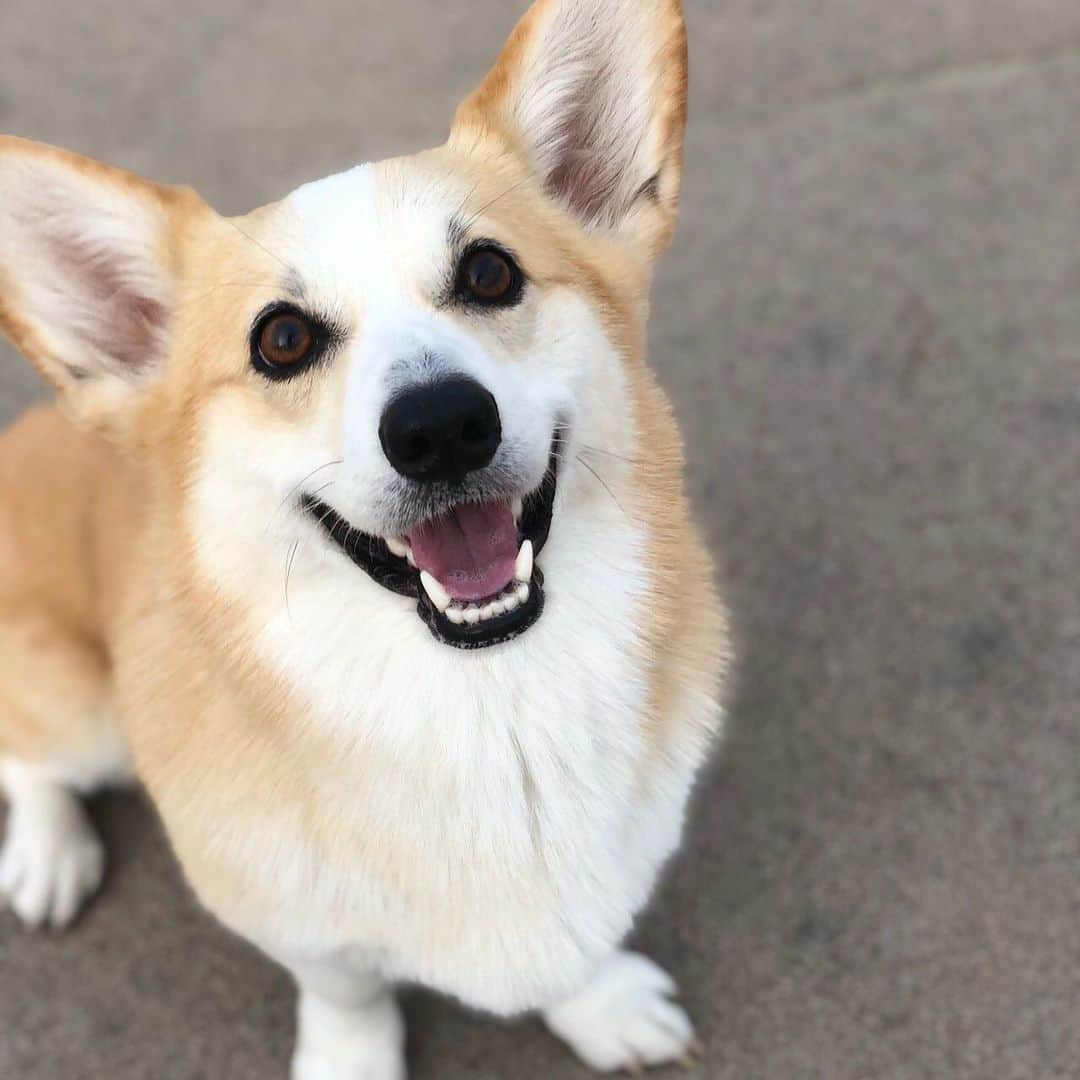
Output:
x,y
491,828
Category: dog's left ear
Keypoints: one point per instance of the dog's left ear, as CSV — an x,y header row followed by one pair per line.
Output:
x,y
88,273
592,94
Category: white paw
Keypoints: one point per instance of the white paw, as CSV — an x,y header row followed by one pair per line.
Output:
x,y
364,1043
52,859
625,1018
313,1065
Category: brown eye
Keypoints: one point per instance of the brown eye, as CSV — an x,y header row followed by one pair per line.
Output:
x,y
286,340
489,276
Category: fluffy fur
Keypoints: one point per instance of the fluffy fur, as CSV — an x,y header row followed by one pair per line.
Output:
x,y
361,801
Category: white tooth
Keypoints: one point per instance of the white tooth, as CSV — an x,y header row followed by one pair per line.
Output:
x,y
523,568
522,592
409,556
439,596
517,506
497,606
472,615
456,615
491,610
511,601
399,546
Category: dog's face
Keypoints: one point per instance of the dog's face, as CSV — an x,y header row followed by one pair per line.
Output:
x,y
405,363
435,359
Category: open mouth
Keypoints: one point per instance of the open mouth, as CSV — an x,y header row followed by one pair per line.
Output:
x,y
472,570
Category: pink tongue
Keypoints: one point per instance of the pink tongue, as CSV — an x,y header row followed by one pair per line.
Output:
x,y
471,551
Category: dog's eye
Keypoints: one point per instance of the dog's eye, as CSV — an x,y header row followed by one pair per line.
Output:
x,y
490,277
284,342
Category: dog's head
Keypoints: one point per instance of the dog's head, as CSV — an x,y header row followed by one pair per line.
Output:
x,y
403,363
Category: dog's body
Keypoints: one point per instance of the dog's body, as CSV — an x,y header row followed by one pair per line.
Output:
x,y
342,786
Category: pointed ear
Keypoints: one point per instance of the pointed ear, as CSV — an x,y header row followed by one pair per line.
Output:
x,y
593,94
87,271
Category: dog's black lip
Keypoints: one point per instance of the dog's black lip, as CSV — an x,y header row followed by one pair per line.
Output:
x,y
371,554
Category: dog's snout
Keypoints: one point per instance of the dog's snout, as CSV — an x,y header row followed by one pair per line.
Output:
x,y
441,431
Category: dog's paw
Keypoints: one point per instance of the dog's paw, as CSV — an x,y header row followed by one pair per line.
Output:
x,y
625,1018
315,1064
312,1065
52,860
365,1043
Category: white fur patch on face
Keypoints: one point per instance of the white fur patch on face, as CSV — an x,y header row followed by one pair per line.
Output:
x,y
373,246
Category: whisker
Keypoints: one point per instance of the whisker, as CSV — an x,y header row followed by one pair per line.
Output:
x,y
234,285
288,570
218,283
491,202
561,427
334,530
259,245
468,196
610,453
601,481
296,487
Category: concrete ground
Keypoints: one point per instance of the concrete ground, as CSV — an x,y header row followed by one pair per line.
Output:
x,y
871,326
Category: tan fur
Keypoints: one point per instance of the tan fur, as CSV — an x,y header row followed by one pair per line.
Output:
x,y
65,523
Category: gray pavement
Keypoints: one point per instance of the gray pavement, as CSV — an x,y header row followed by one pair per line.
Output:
x,y
871,326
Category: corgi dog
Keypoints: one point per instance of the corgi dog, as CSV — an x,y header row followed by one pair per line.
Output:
x,y
358,535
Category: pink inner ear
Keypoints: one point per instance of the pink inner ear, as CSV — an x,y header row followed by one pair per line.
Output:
x,y
588,165
96,278
589,99
131,325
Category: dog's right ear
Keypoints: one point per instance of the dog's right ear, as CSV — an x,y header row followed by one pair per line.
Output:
x,y
88,272
591,94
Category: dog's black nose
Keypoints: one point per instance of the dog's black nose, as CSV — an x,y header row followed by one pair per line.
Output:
x,y
441,431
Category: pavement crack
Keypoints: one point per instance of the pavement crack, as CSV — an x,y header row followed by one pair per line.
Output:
x,y
929,79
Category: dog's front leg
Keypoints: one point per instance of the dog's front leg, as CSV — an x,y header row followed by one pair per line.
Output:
x,y
624,1018
348,1025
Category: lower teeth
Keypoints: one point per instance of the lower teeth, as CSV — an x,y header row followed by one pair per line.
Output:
x,y
510,599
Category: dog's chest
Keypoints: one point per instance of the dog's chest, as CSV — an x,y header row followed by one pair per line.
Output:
x,y
478,824
503,850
